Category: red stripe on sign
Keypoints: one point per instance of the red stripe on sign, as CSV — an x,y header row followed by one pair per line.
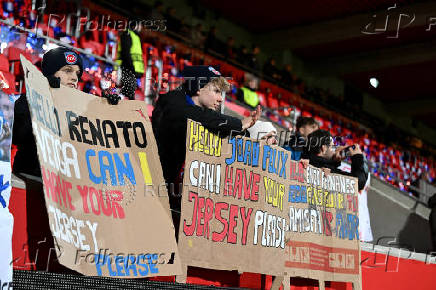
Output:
x,y
305,255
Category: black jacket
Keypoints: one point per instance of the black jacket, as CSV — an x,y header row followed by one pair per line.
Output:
x,y
126,57
357,167
26,158
169,119
297,145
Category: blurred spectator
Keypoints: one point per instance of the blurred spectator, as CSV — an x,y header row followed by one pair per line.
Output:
x,y
173,24
197,36
244,56
198,9
247,93
288,78
129,54
157,12
230,48
270,70
254,61
416,182
297,142
184,30
323,154
212,43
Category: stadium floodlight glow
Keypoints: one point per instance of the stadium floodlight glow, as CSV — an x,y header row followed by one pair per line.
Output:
x,y
374,82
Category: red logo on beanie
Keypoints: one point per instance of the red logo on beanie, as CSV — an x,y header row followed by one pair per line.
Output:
x,y
214,71
70,57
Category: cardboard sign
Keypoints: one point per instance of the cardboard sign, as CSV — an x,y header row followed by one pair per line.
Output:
x,y
105,193
246,206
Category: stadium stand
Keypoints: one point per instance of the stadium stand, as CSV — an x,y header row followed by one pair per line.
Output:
x,y
166,56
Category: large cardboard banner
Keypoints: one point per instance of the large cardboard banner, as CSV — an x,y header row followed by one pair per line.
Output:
x,y
246,206
104,189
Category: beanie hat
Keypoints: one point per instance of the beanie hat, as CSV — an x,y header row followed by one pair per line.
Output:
x,y
197,77
260,129
54,59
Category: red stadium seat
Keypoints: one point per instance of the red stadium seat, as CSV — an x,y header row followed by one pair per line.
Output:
x,y
93,47
10,80
262,99
4,63
273,103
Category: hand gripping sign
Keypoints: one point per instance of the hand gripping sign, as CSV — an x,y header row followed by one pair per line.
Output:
x,y
107,208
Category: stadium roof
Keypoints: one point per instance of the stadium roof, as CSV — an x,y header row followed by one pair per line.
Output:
x,y
348,38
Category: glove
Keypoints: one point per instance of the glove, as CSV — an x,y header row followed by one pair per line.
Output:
x,y
112,99
54,82
128,83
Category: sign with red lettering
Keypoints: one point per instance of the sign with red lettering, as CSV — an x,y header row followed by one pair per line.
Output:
x,y
107,208
247,206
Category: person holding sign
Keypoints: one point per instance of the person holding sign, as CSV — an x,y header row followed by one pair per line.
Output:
x,y
297,142
324,154
199,98
61,66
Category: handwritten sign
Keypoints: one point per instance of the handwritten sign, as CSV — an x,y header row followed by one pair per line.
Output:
x,y
247,206
101,175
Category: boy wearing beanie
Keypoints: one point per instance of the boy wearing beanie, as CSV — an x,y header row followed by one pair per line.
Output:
x,y
199,98
61,66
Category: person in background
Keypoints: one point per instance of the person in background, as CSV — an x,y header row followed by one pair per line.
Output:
x,y
324,154
185,29
297,142
197,36
270,70
244,56
199,98
230,48
288,78
157,12
247,94
254,58
212,43
129,52
173,23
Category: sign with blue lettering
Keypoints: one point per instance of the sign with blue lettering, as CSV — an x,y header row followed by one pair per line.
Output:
x,y
247,206
105,194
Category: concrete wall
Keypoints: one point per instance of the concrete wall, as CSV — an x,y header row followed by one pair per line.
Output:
x,y
396,220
